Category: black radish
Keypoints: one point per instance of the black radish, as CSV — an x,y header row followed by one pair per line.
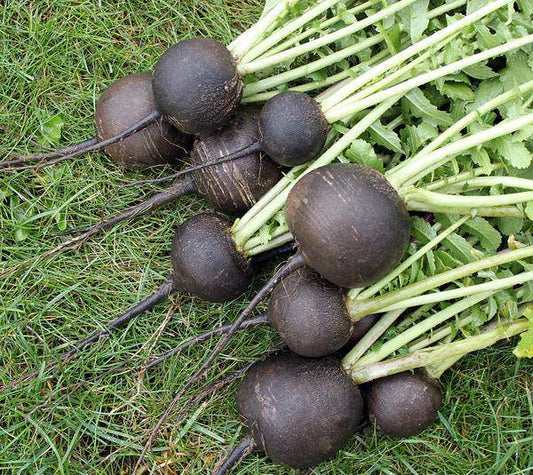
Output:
x,y
197,86
120,107
403,404
292,130
299,410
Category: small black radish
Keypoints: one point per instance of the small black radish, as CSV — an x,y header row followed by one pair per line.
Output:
x,y
197,86
205,263
118,109
299,411
310,314
403,404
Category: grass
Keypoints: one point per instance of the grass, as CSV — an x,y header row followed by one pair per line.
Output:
x,y
56,58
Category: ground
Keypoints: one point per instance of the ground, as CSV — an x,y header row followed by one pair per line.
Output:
x,y
56,57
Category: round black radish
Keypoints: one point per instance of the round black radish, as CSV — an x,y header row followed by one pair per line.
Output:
x,y
293,128
233,187
123,104
299,411
403,404
310,314
350,224
197,86
205,260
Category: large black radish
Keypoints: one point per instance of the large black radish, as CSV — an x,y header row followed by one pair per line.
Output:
x,y
299,411
403,404
230,188
118,112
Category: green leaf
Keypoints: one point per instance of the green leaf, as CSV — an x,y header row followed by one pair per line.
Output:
x,y
421,107
509,226
51,129
481,157
362,152
516,154
415,19
524,349
489,237
480,71
518,71
529,210
459,248
386,137
457,91
421,230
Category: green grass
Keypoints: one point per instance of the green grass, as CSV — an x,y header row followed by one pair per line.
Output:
x,y
56,58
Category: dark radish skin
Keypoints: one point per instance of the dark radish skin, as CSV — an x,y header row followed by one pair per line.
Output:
x,y
231,188
299,411
404,404
337,214
197,86
350,224
310,314
124,103
292,130
121,106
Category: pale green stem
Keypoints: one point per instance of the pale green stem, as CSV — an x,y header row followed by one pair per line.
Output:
x,y
442,296
272,244
487,212
286,30
409,52
461,177
391,78
413,316
245,232
436,370
306,69
319,29
374,289
258,240
311,86
360,308
250,37
438,354
439,157
371,336
394,344
464,122
439,335
486,181
344,110
313,45
430,198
